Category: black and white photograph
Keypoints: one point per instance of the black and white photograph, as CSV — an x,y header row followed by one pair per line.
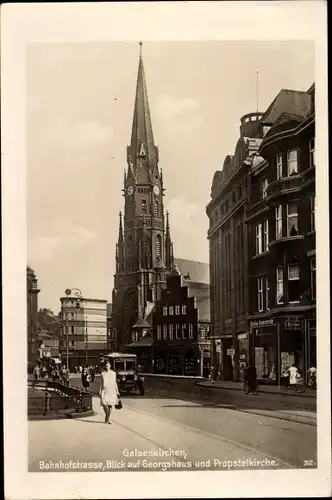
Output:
x,y
174,200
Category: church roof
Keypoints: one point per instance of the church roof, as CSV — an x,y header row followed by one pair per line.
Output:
x,y
142,133
193,270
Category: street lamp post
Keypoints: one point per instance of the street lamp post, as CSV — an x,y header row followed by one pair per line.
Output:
x,y
78,294
86,341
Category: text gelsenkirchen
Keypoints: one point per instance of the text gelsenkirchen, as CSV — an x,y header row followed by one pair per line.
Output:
x,y
157,452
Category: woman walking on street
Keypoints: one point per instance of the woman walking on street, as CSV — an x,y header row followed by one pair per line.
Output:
x,y
109,392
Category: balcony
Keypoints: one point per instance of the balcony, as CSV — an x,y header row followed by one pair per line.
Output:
x,y
286,184
286,239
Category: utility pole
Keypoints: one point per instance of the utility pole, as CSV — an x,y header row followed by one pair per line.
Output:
x,y
86,341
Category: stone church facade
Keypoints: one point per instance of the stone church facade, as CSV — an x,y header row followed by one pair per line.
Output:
x,y
144,250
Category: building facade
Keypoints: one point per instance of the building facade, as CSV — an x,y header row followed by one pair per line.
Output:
x,y
228,240
281,226
32,320
112,344
262,242
49,332
144,251
84,330
175,331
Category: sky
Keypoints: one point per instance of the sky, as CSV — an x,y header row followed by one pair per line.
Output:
x,y
80,100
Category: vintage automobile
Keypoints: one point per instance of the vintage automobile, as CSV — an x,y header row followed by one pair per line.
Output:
x,y
127,376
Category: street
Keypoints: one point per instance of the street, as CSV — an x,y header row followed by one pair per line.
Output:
x,y
179,425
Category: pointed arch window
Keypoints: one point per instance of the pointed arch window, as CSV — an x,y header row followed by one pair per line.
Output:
x,y
130,245
158,247
156,208
144,207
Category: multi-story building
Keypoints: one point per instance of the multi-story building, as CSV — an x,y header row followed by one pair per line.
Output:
x,y
281,226
262,242
175,331
49,332
227,236
144,251
84,330
32,308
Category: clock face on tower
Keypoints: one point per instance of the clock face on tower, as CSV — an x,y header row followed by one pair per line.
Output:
x,y
130,190
156,190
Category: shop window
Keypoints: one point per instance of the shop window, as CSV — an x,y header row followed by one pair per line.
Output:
x,y
313,277
280,285
292,220
293,283
184,309
191,331
171,332
165,332
165,311
144,207
278,215
259,242
264,185
171,310
312,161
158,332
292,162
279,166
312,213
177,310
265,235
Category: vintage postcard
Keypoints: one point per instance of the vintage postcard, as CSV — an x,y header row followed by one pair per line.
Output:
x,y
165,250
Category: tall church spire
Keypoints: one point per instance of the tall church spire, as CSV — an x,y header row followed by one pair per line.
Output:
x,y
142,141
120,247
168,245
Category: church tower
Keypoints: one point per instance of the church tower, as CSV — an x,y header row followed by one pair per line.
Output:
x,y
144,251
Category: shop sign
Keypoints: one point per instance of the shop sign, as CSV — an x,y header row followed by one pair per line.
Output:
x,y
230,352
261,323
292,323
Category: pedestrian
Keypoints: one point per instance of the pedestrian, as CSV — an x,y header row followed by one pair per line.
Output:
x,y
245,376
65,375
85,379
312,377
212,374
109,391
36,374
92,373
251,379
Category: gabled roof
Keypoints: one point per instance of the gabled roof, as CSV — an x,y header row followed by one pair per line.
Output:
x,y
290,101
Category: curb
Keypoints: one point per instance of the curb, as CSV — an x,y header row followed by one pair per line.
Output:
x,y
302,394
290,418
62,416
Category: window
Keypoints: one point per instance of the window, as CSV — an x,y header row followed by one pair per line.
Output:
x,y
171,332
158,246
177,331
280,285
143,206
165,311
165,332
259,239
260,296
278,211
313,277
171,310
72,343
191,331
279,166
159,332
264,187
156,208
292,220
184,309
184,331
292,166
177,310
265,235
312,213
72,330
293,283
312,152
267,290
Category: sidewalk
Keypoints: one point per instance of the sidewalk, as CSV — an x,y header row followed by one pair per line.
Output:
x,y
268,389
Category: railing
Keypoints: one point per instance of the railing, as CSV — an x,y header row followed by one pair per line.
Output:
x,y
285,184
47,397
